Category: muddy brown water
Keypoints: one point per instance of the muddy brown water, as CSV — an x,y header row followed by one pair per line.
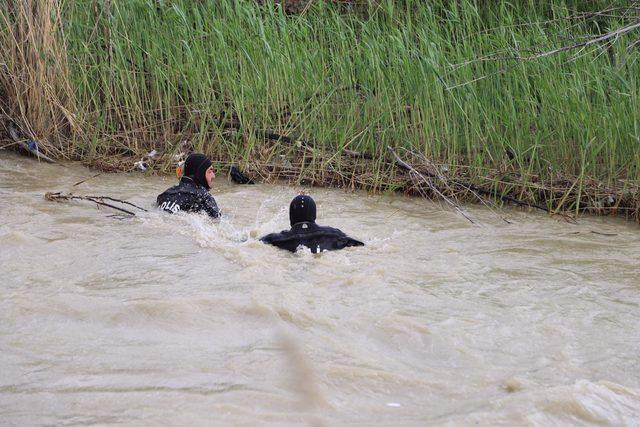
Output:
x,y
179,320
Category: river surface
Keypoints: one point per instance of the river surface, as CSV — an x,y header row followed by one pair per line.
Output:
x,y
179,320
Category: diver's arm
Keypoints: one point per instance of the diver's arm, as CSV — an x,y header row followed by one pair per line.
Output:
x,y
210,206
348,241
268,238
354,242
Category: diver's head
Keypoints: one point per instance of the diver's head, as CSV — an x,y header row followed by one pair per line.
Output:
x,y
198,168
302,209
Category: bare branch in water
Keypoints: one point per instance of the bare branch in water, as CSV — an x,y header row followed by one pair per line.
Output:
x,y
117,200
86,179
119,216
99,200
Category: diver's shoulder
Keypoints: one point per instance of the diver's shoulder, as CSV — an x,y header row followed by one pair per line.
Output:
x,y
330,230
275,237
268,237
340,236
169,192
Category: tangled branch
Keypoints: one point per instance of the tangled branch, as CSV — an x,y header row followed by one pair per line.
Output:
x,y
98,200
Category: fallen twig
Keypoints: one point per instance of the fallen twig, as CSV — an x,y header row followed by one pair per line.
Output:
x,y
99,200
116,200
86,179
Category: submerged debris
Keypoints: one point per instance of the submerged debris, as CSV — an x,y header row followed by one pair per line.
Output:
x,y
98,200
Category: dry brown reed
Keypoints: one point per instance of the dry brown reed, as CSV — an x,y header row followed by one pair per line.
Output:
x,y
35,91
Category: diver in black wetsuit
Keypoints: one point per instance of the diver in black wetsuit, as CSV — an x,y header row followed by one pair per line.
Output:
x,y
192,193
304,231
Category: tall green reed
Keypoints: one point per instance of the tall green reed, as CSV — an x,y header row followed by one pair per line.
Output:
x,y
439,78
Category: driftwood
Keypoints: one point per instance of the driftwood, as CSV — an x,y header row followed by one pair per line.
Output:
x,y
98,200
86,179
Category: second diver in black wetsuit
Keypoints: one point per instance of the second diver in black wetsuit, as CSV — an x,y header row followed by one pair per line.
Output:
x,y
305,232
192,193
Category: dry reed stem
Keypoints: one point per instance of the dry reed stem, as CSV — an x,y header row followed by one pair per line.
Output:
x,y
36,92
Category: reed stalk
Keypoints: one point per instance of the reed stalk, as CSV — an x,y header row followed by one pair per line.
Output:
x,y
509,95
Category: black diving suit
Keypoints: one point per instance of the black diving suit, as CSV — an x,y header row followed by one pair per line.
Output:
x,y
188,196
313,236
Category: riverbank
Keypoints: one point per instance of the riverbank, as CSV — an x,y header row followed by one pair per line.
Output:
x,y
515,103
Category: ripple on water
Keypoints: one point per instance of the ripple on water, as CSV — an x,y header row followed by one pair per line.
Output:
x,y
582,403
183,320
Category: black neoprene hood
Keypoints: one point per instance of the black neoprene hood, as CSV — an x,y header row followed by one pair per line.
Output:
x,y
302,209
196,167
